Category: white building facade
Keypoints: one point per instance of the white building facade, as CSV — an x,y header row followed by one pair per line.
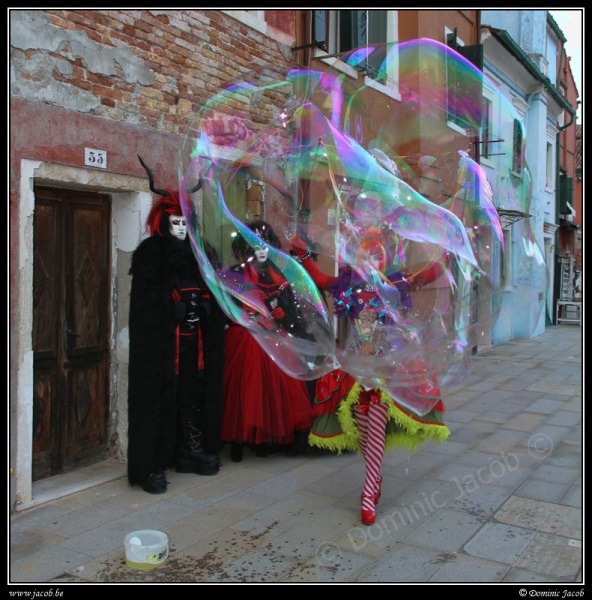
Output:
x,y
519,49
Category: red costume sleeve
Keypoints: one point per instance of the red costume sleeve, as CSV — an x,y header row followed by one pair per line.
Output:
x,y
428,275
304,257
431,273
321,279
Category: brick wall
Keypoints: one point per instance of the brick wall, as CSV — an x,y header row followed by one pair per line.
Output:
x,y
147,68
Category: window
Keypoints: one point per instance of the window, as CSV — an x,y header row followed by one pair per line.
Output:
x,y
550,56
319,28
353,29
453,82
565,195
460,92
549,167
506,261
337,31
486,132
361,28
344,30
517,148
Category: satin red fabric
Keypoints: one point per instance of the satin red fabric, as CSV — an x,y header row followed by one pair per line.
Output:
x,y
262,404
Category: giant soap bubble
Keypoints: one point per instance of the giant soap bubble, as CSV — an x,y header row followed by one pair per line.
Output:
x,y
363,169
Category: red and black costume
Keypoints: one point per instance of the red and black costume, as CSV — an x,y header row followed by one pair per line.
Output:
x,y
263,406
176,347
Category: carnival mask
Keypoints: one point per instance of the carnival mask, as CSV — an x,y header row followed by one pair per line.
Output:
x,y
261,252
178,227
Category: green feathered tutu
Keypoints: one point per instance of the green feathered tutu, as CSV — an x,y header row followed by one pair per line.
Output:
x,y
335,427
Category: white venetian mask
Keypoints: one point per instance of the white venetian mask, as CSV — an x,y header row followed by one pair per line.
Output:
x,y
261,253
178,227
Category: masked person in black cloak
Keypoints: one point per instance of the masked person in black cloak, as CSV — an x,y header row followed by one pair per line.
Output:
x,y
176,350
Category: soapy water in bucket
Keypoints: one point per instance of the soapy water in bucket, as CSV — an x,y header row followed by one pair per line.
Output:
x,y
146,549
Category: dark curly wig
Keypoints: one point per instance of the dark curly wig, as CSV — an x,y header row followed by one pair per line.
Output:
x,y
241,249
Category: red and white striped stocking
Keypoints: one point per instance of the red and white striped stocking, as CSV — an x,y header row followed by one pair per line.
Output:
x,y
362,420
374,437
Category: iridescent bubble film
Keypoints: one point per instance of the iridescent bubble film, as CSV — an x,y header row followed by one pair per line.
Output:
x,y
363,170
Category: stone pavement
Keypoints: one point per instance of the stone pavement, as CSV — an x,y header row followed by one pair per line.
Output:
x,y
499,502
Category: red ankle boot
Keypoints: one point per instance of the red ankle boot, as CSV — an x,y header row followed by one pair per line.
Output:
x,y
368,510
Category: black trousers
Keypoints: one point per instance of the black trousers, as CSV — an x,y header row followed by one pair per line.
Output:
x,y
190,389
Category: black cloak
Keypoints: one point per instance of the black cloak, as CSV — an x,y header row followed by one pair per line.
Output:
x,y
158,264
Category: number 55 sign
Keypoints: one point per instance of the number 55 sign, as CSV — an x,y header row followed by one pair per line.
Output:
x,y
95,158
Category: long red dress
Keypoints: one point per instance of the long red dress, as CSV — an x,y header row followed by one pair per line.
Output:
x,y
262,404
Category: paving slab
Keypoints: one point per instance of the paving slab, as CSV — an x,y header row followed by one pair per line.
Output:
x,y
547,517
556,556
332,566
466,569
499,542
45,564
447,530
405,563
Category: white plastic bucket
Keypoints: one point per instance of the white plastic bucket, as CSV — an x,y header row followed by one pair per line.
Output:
x,y
146,549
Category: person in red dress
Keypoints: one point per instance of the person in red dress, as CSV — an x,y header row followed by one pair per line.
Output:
x,y
264,408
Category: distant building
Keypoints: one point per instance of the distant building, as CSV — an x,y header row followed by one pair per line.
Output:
x,y
569,188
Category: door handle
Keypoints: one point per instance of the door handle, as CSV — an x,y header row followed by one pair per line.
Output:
x,y
66,339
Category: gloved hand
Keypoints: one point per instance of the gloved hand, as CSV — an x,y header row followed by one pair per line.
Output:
x,y
298,246
278,313
180,308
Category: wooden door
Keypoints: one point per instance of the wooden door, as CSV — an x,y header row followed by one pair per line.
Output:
x,y
71,282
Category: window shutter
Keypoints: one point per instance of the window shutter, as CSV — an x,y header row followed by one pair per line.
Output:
x,y
474,54
565,193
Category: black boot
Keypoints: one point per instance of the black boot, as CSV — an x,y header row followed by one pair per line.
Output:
x,y
300,442
155,483
261,451
299,445
191,457
236,452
